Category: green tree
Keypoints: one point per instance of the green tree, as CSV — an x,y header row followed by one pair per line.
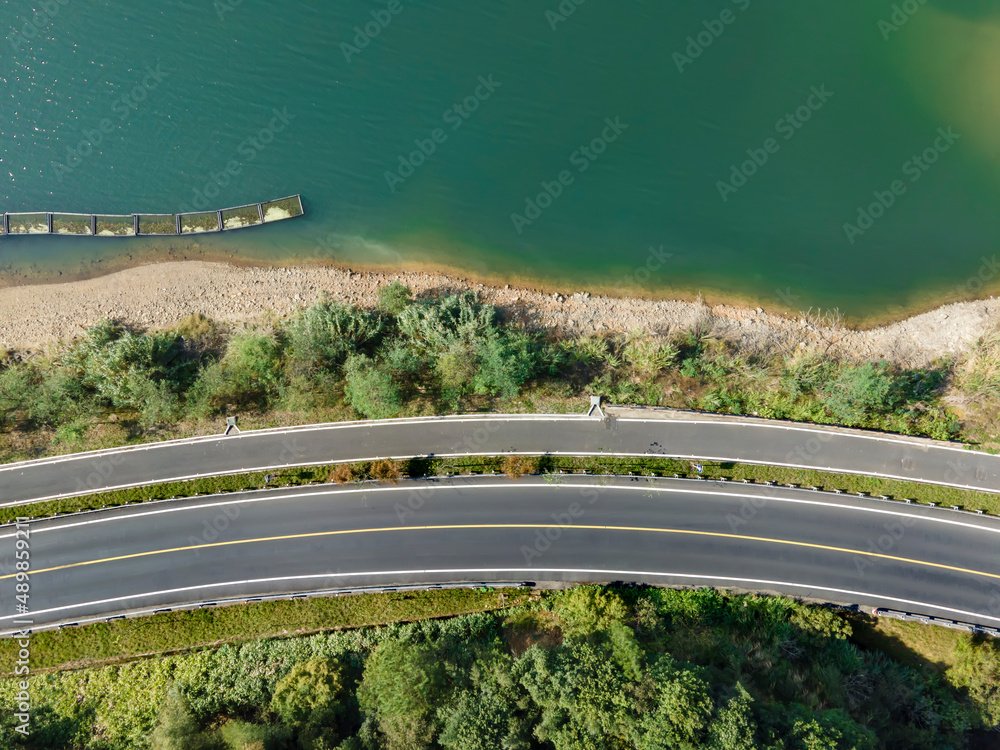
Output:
x,y
244,735
860,391
827,730
734,727
503,364
177,728
403,683
582,695
372,388
680,710
249,374
587,609
310,693
489,714
434,326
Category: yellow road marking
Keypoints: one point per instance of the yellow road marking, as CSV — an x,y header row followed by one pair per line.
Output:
x,y
458,527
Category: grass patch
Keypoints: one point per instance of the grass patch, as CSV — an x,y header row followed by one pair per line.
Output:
x,y
106,643
515,467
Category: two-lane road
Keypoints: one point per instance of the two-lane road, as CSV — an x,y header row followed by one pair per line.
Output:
x,y
558,529
632,433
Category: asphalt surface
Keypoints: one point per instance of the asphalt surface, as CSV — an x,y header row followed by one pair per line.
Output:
x,y
746,441
492,529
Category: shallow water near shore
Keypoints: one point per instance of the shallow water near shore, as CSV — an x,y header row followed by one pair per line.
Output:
x,y
121,107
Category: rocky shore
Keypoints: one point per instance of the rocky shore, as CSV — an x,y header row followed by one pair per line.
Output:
x,y
32,318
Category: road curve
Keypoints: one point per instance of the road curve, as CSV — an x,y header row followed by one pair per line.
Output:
x,y
688,436
493,529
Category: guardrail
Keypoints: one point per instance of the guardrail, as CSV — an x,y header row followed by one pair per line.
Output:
x,y
942,622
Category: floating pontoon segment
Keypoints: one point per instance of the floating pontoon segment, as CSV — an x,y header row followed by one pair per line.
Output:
x,y
153,225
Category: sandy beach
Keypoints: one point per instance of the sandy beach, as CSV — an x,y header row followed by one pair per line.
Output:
x,y
34,317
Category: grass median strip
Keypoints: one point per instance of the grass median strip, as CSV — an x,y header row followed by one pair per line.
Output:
x,y
105,643
513,466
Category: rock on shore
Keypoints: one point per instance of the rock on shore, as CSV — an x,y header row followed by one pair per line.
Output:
x,y
35,317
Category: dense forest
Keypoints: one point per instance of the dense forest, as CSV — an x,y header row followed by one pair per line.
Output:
x,y
586,668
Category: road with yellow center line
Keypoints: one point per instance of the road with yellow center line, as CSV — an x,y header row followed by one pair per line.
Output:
x,y
669,532
466,527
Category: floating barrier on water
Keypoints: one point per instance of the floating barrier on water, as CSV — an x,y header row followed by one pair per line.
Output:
x,y
153,225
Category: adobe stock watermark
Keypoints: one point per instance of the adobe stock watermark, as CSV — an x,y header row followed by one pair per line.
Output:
x,y
805,452
222,7
122,107
787,126
103,469
915,167
250,148
986,273
545,537
582,158
213,528
31,27
472,443
656,261
562,12
363,35
901,14
454,117
894,532
714,28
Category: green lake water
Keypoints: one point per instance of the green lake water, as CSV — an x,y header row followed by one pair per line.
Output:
x,y
138,106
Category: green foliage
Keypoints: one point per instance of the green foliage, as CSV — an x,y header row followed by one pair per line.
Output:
x,y
435,326
581,696
585,610
244,735
399,687
734,727
372,388
860,391
394,297
979,375
310,693
680,711
472,352
17,391
711,672
647,357
177,728
324,334
249,375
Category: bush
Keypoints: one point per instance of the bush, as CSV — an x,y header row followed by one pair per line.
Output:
x,y
435,326
249,374
324,334
394,298
861,391
371,388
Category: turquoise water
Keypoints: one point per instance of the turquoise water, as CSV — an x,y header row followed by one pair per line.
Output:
x,y
132,106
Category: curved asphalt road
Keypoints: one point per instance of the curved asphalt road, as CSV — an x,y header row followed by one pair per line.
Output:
x,y
635,433
491,529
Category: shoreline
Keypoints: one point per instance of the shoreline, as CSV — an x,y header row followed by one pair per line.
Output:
x,y
158,251
34,317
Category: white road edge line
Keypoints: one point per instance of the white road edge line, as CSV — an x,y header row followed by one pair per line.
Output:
x,y
138,513
606,454
711,422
